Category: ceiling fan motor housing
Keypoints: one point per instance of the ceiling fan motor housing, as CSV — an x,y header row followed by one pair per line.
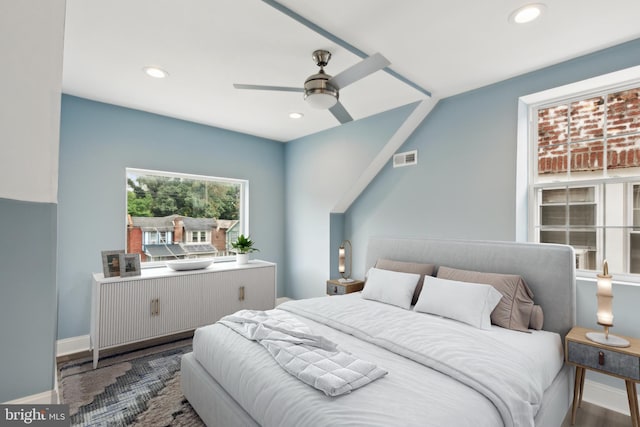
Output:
x,y
318,84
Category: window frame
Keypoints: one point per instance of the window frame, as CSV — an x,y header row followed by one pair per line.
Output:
x,y
527,153
243,210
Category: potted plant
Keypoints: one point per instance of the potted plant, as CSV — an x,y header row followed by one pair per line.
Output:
x,y
243,246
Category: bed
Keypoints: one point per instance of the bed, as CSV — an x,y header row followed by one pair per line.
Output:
x,y
439,372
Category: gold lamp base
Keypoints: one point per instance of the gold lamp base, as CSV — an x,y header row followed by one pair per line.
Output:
x,y
605,338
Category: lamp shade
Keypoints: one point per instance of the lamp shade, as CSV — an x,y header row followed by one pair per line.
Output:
x,y
341,259
344,258
605,298
604,314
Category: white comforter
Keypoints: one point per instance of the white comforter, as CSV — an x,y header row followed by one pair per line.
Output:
x,y
411,394
498,371
311,358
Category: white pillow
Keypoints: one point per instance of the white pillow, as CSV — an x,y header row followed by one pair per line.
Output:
x,y
390,287
471,303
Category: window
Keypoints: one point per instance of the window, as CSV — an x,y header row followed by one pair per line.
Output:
x,y
584,181
172,215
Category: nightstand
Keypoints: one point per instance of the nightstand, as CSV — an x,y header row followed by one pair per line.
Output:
x,y
621,362
336,287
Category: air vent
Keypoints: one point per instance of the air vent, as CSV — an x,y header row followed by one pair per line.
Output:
x,y
408,158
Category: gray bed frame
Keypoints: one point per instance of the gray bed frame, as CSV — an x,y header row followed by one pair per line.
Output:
x,y
548,269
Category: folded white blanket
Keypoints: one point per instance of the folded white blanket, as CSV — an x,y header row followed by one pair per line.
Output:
x,y
313,359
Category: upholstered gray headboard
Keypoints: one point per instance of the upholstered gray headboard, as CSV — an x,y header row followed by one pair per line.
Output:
x,y
548,269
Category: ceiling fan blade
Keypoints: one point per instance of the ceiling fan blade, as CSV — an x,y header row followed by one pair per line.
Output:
x,y
340,113
260,87
362,69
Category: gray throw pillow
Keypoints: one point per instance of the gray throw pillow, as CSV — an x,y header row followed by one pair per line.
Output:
x,y
515,309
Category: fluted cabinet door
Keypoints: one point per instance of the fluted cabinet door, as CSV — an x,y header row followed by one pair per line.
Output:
x,y
125,312
176,306
230,291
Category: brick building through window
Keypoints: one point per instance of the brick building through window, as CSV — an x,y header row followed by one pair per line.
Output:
x,y
586,178
178,237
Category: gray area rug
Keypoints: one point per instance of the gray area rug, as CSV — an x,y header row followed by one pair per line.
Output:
x,y
138,388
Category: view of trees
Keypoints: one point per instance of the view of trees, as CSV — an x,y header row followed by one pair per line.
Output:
x,y
158,196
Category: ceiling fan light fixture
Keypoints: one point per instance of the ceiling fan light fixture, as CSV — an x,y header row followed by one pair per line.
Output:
x,y
318,92
321,99
527,13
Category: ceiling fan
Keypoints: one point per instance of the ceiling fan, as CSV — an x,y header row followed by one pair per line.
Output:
x,y
321,90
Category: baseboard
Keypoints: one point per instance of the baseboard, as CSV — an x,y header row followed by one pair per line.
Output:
x,y
606,396
73,345
44,398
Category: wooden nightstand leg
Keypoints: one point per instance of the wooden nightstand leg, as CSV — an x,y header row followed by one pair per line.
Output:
x,y
584,372
577,393
632,395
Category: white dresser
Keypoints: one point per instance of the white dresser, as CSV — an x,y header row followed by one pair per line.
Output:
x,y
163,302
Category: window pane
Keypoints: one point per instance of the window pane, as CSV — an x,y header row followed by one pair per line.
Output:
x,y
582,194
553,160
585,259
623,112
583,239
174,215
636,207
554,196
635,253
553,215
553,237
582,214
569,216
553,126
623,152
587,119
587,156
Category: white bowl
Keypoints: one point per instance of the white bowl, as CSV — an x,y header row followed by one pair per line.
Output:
x,y
189,264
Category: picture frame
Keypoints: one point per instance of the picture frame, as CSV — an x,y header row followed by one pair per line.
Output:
x,y
129,265
111,263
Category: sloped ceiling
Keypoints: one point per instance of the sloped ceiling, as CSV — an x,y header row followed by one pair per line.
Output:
x,y
444,46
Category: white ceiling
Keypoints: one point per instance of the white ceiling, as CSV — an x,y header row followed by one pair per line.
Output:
x,y
444,46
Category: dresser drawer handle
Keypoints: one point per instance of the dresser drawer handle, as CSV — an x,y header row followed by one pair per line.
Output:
x,y
601,358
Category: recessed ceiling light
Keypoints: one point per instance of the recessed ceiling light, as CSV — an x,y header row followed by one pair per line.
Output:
x,y
155,72
296,115
527,13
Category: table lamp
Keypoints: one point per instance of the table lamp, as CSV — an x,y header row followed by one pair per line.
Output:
x,y
343,254
605,312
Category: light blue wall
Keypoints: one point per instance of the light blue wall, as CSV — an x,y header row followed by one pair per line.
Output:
x,y
319,169
464,184
28,298
98,141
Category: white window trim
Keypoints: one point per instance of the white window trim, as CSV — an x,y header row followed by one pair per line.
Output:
x,y
526,104
244,211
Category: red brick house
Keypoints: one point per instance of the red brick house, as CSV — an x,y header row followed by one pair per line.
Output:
x,y
176,236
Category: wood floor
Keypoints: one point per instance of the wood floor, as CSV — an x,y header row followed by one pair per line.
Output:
x,y
595,416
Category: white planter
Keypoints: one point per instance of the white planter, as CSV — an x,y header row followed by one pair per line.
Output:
x,y
242,259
